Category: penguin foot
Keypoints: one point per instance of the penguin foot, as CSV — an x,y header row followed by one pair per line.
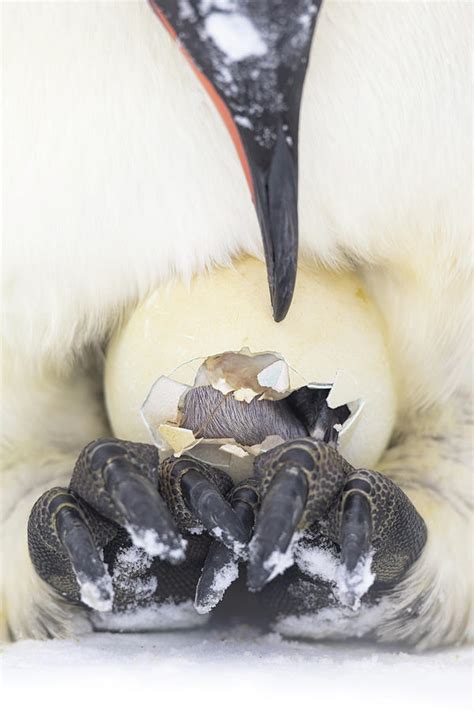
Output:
x,y
313,532
128,531
324,533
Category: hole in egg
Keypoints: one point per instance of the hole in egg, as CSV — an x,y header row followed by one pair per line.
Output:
x,y
230,407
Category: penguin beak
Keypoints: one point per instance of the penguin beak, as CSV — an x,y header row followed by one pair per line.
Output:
x,y
252,57
275,190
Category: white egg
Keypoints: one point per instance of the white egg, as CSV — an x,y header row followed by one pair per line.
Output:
x,y
332,335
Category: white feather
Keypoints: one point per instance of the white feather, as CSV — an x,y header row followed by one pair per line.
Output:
x,y
119,174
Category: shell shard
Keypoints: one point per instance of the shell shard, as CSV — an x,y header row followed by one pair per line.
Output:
x,y
245,377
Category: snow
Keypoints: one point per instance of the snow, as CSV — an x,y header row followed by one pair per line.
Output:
x,y
186,11
279,561
165,616
97,594
237,547
223,578
336,623
243,121
154,546
235,35
349,586
229,668
217,532
352,585
196,530
317,562
130,574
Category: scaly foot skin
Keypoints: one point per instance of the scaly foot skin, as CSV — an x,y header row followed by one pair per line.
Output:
x,y
325,535
130,534
312,531
358,532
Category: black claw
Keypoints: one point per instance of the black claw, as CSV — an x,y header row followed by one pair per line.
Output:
x,y
219,571
207,503
92,576
221,564
277,521
146,516
356,529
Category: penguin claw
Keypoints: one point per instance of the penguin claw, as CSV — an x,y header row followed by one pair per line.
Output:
x,y
206,502
118,480
277,522
221,565
66,551
92,577
356,529
146,516
219,571
195,494
299,479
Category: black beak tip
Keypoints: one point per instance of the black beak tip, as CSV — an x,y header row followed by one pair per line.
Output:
x,y
277,210
281,296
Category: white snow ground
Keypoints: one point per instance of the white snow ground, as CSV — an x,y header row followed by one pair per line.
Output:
x,y
229,668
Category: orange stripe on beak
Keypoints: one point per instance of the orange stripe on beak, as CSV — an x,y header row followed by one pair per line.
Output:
x,y
217,100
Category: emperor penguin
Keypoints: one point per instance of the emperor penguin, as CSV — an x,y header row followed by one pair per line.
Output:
x,y
265,206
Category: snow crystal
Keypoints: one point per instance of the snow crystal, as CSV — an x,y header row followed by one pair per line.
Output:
x,y
352,585
133,560
151,543
226,76
165,616
97,594
243,121
235,35
217,532
317,562
196,530
238,548
223,578
130,574
206,5
186,11
279,561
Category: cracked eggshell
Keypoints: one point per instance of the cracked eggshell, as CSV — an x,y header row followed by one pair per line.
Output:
x,y
246,375
162,403
332,328
177,438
